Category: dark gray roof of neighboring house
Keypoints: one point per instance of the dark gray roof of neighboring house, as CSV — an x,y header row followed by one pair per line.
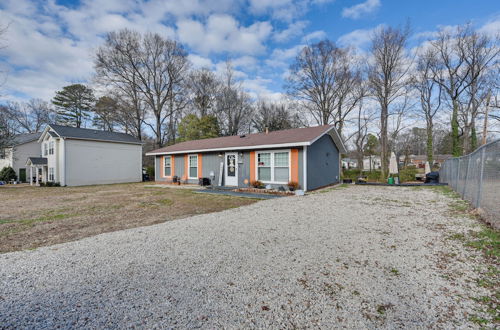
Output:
x,y
25,138
294,136
93,134
37,160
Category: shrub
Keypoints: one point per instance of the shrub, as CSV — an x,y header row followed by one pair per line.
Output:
x,y
407,174
350,174
257,184
150,170
7,174
292,185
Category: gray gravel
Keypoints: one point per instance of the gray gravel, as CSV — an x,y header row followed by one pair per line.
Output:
x,y
357,257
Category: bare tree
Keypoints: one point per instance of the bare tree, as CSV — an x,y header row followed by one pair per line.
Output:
x,y
233,105
323,77
387,76
481,55
31,116
274,117
204,86
424,83
149,68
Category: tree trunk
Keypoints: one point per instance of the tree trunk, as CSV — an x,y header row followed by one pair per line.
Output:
x,y
430,143
383,141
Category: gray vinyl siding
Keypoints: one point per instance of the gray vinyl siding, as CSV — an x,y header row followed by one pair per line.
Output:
x,y
301,168
179,165
322,163
158,169
244,169
211,162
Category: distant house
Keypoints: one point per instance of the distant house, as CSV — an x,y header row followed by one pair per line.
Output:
x,y
19,149
419,160
78,156
309,156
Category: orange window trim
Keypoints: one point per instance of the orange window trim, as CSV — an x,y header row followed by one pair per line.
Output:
x,y
200,165
252,166
186,167
172,165
295,165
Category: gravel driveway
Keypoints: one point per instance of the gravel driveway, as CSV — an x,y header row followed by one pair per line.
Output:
x,y
355,257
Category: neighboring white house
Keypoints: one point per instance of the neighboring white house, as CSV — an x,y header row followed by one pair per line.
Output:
x,y
20,148
78,156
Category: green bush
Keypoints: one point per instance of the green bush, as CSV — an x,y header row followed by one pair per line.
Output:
x,y
354,174
7,174
150,170
407,174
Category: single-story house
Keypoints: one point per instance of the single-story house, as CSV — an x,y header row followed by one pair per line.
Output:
x,y
20,147
309,156
79,156
420,160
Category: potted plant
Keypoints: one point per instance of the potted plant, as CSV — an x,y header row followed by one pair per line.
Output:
x,y
292,185
256,184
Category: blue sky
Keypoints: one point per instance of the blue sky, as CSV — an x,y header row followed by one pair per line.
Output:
x,y
49,44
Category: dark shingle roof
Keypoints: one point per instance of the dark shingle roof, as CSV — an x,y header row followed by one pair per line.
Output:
x,y
288,136
25,138
93,134
37,160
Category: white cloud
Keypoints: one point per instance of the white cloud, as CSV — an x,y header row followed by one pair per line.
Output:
x,y
358,38
492,27
361,9
223,34
316,35
295,29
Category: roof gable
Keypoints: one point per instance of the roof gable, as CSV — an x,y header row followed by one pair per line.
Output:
x,y
25,138
290,137
68,132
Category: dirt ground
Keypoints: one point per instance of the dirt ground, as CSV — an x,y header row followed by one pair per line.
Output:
x,y
31,217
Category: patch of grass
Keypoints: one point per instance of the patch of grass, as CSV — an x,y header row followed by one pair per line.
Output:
x,y
487,241
338,187
40,219
382,309
395,271
478,320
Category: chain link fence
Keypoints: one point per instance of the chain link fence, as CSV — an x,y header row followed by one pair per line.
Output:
x,y
476,177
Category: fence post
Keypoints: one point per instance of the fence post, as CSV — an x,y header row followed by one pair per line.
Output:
x,y
481,171
466,176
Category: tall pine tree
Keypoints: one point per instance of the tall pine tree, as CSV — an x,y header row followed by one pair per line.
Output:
x,y
74,103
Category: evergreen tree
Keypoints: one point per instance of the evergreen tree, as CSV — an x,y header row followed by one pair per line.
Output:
x,y
193,128
74,103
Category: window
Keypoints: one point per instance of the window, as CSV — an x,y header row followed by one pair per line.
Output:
x,y
193,166
51,147
45,149
264,166
51,174
273,166
3,153
168,165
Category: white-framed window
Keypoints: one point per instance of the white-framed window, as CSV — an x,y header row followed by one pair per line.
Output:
x,y
3,153
168,165
51,174
193,167
51,147
45,149
273,166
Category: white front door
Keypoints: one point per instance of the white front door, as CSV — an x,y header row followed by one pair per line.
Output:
x,y
231,169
